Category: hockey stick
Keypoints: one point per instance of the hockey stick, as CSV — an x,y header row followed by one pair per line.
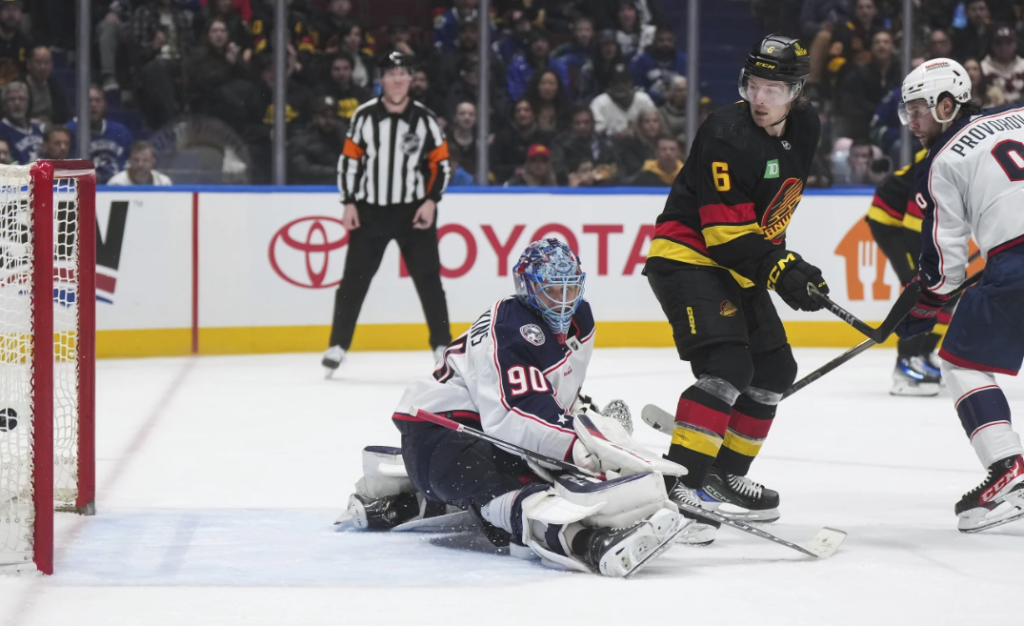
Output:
x,y
825,543
904,304
661,420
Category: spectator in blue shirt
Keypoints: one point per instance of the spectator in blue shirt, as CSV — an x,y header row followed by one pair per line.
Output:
x,y
524,65
576,52
21,135
654,69
446,25
109,141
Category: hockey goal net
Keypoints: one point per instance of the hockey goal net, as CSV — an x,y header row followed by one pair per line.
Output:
x,y
47,354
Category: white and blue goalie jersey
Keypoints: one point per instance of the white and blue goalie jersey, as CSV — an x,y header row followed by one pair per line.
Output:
x,y
511,377
971,182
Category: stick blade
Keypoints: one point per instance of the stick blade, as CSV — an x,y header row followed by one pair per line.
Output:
x,y
658,419
826,542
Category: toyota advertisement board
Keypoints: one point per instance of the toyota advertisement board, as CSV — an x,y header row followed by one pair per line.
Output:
x,y
249,271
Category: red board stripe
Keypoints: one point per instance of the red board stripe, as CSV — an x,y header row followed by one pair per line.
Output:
x,y
727,213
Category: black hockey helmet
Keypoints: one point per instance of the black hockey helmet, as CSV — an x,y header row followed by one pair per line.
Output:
x,y
394,60
777,57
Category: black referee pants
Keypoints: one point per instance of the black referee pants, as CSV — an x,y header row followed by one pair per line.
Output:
x,y
366,245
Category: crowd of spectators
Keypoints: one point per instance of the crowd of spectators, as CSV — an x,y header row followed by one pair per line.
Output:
x,y
582,92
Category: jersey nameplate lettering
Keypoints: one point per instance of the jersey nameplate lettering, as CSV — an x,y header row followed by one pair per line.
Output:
x,y
481,329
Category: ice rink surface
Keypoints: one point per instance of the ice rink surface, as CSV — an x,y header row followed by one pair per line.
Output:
x,y
220,477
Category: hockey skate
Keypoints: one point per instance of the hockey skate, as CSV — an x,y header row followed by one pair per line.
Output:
x,y
702,531
332,359
998,500
621,552
913,376
738,497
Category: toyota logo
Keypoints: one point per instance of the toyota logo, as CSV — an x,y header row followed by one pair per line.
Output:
x,y
304,251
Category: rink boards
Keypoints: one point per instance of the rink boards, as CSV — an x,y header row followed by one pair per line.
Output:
x,y
216,270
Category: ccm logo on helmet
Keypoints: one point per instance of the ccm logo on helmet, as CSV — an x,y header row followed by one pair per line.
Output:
x,y
770,66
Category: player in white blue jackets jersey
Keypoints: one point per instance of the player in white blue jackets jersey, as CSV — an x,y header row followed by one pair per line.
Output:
x,y
516,375
972,183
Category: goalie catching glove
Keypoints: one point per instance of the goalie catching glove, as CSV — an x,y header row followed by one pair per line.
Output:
x,y
787,274
604,446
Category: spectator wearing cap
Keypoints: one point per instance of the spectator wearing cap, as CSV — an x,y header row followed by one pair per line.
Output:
x,y
654,68
973,40
864,88
582,141
537,171
14,43
632,34
346,95
662,170
314,152
56,143
49,104
621,105
575,53
16,129
141,161
446,25
1003,67
524,66
595,72
673,109
510,144
109,141
209,70
162,35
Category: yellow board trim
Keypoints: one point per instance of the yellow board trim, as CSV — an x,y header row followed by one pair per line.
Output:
x,y
878,214
111,344
696,441
739,443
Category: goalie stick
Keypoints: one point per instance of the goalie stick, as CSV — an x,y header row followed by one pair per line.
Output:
x,y
824,544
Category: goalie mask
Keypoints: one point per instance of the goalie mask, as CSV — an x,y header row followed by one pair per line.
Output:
x,y
549,279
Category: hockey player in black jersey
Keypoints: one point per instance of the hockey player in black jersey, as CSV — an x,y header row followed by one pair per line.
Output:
x,y
719,248
895,222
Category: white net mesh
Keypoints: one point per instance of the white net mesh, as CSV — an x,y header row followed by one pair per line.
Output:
x,y
65,336
16,306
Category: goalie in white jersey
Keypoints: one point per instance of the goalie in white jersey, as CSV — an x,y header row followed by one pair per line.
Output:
x,y
516,375
972,182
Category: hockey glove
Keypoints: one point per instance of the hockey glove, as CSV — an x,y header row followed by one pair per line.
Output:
x,y
787,274
924,315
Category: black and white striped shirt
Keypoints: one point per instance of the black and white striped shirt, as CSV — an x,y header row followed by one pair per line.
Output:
x,y
392,158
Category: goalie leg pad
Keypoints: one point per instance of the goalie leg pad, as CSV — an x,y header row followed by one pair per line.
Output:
x,y
383,473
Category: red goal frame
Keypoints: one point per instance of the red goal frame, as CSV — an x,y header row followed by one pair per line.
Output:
x,y
43,174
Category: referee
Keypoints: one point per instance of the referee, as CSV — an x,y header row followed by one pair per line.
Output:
x,y
391,175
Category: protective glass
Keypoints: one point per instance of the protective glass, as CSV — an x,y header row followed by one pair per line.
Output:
x,y
771,93
914,111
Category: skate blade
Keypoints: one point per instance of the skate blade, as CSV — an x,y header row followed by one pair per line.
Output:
x,y
682,524
753,517
345,518
1015,500
449,523
826,542
328,372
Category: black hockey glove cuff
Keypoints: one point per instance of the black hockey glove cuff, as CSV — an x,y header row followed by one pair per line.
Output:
x,y
787,274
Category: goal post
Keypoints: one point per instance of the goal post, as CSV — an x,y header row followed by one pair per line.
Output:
x,y
47,354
